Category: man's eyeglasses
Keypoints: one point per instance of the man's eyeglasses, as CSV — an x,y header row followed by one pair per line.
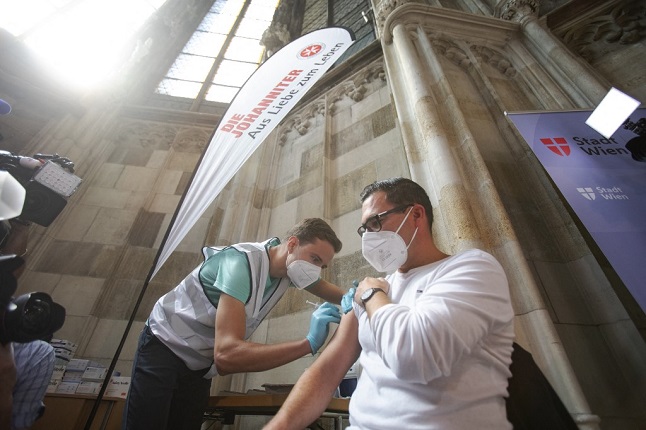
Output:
x,y
373,223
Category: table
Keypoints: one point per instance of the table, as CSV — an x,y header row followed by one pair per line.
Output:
x,y
228,406
71,411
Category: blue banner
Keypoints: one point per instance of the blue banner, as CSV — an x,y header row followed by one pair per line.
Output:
x,y
602,179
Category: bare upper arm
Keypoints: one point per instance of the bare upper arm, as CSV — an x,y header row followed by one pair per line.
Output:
x,y
342,351
230,322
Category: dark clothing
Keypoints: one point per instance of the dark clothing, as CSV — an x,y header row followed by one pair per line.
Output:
x,y
532,403
156,407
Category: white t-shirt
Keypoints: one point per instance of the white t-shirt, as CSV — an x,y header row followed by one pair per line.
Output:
x,y
439,356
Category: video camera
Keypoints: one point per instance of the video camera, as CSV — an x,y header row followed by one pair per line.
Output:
x,y
28,317
48,181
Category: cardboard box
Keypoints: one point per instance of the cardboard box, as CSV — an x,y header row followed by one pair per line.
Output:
x,y
72,376
118,387
62,343
52,385
76,364
67,387
59,371
86,387
94,374
64,353
61,361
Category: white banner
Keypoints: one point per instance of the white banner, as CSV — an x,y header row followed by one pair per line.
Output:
x,y
265,99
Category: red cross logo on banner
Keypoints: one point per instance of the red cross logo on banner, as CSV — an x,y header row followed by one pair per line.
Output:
x,y
311,50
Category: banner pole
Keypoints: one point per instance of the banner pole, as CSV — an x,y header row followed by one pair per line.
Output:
x,y
113,362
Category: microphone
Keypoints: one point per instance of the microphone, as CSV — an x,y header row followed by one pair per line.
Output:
x,y
5,107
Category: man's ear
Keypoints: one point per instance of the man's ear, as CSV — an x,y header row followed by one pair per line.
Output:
x,y
418,212
292,242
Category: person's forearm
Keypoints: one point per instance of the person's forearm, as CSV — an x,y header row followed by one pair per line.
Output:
x,y
301,407
242,356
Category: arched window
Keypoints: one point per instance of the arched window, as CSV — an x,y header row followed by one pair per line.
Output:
x,y
223,52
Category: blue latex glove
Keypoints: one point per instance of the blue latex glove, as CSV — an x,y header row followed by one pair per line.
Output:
x,y
348,298
319,325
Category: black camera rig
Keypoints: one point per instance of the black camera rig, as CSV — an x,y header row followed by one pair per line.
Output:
x,y
48,181
27,317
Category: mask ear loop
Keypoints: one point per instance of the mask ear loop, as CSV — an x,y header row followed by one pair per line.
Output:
x,y
403,221
400,227
412,238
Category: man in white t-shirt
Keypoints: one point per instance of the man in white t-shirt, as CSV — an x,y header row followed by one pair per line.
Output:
x,y
434,338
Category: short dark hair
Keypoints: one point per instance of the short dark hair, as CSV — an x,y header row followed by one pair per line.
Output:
x,y
315,228
401,191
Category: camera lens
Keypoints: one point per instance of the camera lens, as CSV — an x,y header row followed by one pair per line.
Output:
x,y
36,316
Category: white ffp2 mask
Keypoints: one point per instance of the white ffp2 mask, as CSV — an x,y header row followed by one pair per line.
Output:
x,y
303,273
386,251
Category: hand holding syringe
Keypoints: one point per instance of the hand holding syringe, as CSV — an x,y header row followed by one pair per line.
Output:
x,y
346,300
324,314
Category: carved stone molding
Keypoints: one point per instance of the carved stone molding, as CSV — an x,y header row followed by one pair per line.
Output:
x,y
485,54
373,72
385,8
449,23
145,134
275,37
355,88
349,89
192,140
452,52
623,24
495,59
301,122
516,10
286,25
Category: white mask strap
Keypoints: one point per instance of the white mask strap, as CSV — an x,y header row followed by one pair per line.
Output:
x,y
403,221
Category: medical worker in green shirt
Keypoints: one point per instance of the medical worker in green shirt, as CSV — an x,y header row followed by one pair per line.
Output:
x,y
201,328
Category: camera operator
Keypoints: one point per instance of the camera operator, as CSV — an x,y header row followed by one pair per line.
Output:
x,y
33,190
25,368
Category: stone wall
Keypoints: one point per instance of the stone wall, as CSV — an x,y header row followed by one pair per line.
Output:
x,y
430,107
95,257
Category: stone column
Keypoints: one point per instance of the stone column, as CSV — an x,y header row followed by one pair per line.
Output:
x,y
416,70
532,314
433,150
583,80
